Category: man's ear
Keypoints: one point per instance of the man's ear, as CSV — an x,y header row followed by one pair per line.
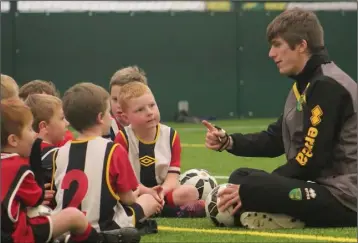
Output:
x,y
13,140
303,46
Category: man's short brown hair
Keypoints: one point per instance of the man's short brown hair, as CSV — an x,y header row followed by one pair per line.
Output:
x,y
130,91
43,108
82,103
295,25
15,115
9,87
38,87
127,75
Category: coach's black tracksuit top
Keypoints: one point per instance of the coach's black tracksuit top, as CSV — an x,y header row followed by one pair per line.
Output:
x,y
317,131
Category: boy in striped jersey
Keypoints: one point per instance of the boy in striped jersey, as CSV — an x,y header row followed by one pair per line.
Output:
x,y
154,152
94,174
120,78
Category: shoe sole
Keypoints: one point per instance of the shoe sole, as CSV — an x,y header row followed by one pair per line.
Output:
x,y
261,221
124,235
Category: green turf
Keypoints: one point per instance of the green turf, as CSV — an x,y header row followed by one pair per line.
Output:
x,y
221,164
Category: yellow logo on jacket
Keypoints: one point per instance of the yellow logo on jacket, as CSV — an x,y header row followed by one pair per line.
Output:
x,y
306,153
316,115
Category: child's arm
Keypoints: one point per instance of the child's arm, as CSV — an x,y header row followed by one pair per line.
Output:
x,y
172,180
29,191
121,139
122,176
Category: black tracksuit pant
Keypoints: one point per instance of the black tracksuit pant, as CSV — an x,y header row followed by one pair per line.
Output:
x,y
310,202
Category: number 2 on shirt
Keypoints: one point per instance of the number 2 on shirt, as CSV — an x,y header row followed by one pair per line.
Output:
x,y
82,186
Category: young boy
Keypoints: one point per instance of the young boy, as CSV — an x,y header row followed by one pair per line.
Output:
x,y
19,190
49,124
44,87
154,151
120,78
94,174
9,87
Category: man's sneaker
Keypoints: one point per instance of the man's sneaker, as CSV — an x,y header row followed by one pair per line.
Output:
x,y
262,221
123,235
148,226
194,209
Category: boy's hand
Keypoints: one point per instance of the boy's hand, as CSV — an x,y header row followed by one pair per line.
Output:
x,y
49,194
157,193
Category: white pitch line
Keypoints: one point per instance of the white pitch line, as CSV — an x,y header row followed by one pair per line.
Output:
x,y
221,177
238,128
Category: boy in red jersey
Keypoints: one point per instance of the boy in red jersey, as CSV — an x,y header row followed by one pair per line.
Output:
x,y
50,125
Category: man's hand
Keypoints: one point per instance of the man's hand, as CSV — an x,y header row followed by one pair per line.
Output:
x,y
229,197
49,194
216,139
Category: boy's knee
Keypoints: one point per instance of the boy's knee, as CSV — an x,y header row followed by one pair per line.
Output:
x,y
189,192
74,214
148,201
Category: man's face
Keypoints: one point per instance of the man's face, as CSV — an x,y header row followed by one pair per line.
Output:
x,y
288,61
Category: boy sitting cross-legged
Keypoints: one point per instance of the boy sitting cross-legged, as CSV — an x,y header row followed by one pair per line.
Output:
x,y
94,174
154,151
20,191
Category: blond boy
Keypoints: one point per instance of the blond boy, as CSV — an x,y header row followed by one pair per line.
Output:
x,y
155,151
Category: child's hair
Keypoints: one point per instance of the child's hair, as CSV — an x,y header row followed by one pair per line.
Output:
x,y
43,108
130,91
126,75
15,115
82,103
9,87
38,87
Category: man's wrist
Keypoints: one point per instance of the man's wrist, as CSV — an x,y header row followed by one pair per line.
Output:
x,y
231,143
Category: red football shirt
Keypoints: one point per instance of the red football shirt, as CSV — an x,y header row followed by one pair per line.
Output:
x,y
26,194
121,172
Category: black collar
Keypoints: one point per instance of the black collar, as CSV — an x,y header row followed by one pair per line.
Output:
x,y
317,59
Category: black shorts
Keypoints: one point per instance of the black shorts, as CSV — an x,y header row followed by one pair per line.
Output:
x,y
136,211
41,228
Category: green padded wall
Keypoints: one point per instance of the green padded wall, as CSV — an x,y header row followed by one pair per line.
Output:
x,y
218,62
